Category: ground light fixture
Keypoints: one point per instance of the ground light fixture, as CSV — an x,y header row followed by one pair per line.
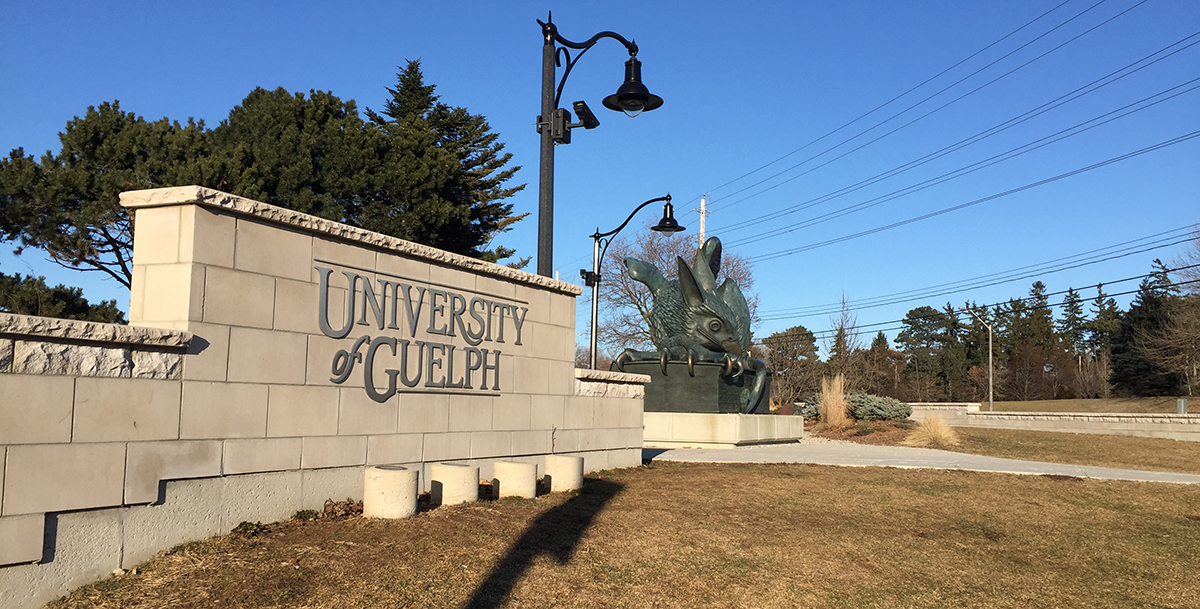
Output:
x,y
554,124
600,243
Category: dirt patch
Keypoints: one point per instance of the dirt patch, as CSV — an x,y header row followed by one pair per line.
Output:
x,y
877,433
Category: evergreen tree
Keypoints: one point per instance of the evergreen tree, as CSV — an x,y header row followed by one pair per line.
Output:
x,y
792,359
31,296
312,154
67,203
921,341
1106,320
462,209
953,355
1132,372
1073,325
431,173
1040,318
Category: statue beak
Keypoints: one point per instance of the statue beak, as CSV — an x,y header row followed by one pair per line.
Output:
x,y
732,346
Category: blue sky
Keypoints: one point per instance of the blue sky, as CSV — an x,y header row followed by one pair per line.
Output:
x,y
744,85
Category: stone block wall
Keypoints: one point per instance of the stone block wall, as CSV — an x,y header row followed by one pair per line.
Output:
x,y
284,353
1172,426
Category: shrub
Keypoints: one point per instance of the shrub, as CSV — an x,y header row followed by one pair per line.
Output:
x,y
306,515
867,407
932,433
811,410
251,529
833,401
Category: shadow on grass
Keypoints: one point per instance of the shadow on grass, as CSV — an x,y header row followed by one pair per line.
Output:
x,y
555,533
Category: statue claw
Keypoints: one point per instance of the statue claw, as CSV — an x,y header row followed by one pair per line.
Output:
x,y
691,363
662,362
741,368
619,363
727,365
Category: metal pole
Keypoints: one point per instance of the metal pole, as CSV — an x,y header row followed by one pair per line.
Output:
x,y
545,265
990,367
595,302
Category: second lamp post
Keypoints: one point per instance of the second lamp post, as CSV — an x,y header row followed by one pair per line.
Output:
x,y
592,278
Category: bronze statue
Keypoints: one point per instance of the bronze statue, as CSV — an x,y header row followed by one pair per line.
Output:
x,y
695,320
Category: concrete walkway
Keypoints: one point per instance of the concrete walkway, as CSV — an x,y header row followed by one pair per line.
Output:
x,y
862,455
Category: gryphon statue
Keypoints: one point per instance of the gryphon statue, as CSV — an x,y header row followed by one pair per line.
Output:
x,y
692,319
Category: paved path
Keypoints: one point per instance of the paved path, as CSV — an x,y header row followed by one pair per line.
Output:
x,y
862,455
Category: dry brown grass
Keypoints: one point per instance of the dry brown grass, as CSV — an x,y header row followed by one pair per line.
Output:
x,y
932,432
1124,452
697,535
833,402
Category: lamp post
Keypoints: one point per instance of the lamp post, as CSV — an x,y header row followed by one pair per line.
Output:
x,y
989,327
554,124
592,278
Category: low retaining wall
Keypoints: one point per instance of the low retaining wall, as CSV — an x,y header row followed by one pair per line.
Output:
x,y
1172,426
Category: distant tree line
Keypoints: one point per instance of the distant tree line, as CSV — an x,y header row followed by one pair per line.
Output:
x,y
1090,349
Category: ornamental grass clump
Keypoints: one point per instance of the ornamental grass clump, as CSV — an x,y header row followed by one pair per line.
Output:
x,y
932,433
833,402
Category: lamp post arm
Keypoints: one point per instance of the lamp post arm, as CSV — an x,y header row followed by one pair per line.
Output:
x,y
599,235
550,31
610,234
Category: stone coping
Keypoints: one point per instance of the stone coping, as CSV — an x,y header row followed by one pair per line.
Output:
x,y
19,326
1112,416
608,376
199,195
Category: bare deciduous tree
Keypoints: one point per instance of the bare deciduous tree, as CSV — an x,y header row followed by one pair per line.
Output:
x,y
1176,346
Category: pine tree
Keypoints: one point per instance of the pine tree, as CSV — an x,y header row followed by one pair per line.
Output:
x,y
462,208
31,296
1132,372
921,340
792,359
67,203
432,174
1073,325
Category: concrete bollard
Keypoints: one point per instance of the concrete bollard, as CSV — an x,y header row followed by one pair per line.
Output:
x,y
451,484
564,473
511,479
389,491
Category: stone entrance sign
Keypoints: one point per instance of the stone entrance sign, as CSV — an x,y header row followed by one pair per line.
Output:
x,y
271,357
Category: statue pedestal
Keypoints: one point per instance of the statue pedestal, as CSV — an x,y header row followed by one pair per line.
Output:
x,y
677,391
703,411
703,430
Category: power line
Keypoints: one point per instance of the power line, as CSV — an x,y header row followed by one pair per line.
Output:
x,y
777,317
923,116
1072,131
1169,234
1079,92
1164,144
890,101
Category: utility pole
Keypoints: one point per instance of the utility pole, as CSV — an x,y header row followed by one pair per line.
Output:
x,y
990,367
703,212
